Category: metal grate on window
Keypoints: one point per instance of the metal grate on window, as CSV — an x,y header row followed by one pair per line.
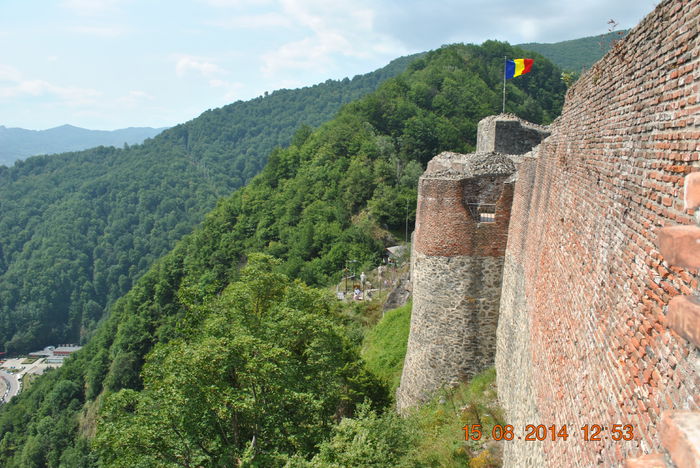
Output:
x,y
483,212
487,217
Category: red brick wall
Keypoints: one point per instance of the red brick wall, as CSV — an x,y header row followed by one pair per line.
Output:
x,y
445,226
582,242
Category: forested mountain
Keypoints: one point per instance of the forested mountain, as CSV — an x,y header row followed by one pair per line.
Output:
x,y
19,143
577,54
205,364
77,229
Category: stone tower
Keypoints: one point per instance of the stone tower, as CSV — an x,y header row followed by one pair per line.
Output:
x,y
457,258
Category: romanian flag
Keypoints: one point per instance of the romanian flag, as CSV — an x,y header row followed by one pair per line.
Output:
x,y
517,67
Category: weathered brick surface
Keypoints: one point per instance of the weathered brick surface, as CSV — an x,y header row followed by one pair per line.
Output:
x,y
684,317
655,460
680,435
680,245
444,224
583,335
691,192
456,268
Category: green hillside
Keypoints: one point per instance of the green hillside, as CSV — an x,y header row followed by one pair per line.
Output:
x,y
77,229
205,364
577,54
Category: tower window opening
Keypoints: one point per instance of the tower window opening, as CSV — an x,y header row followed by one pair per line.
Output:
x,y
483,212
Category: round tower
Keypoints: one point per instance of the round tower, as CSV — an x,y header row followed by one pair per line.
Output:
x,y
457,260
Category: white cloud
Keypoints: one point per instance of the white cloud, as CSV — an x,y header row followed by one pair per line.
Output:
x,y
213,73
91,7
235,3
528,28
231,89
100,31
265,20
13,84
336,28
135,98
309,53
71,95
421,25
8,73
186,64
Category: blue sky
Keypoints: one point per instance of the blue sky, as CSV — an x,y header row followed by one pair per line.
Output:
x,y
107,64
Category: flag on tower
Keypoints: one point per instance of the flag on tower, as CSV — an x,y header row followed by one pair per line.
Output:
x,y
517,67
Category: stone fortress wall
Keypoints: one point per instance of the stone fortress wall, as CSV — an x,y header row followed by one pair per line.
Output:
x,y
461,232
585,332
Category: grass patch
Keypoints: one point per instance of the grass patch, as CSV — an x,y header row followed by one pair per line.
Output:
x,y
440,424
384,346
430,436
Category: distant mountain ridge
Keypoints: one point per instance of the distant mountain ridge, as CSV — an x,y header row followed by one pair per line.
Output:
x,y
576,54
20,143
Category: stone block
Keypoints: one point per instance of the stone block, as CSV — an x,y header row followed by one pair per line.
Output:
x,y
680,435
507,134
684,317
691,193
680,245
653,460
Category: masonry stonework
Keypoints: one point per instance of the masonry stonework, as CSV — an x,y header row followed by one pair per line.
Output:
x,y
507,135
583,334
461,341
461,232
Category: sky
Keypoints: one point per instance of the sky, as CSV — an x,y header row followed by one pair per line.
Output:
x,y
107,64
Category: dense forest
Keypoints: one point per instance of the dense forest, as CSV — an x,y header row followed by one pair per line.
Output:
x,y
577,54
77,229
206,363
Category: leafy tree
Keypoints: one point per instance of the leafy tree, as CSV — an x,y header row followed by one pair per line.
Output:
x,y
369,439
267,372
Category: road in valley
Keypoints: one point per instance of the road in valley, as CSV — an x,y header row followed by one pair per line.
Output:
x,y
12,385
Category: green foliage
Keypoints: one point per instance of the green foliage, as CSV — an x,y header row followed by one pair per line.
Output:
x,y
442,420
78,229
576,54
569,78
304,206
266,370
432,435
384,348
366,440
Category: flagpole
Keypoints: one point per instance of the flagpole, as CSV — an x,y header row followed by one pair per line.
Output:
x,y
505,63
